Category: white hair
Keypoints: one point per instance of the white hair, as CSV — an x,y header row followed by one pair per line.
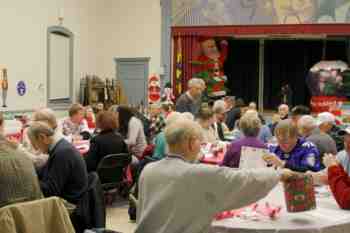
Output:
x,y
250,124
181,131
252,105
175,116
45,115
283,106
219,106
195,82
187,115
307,122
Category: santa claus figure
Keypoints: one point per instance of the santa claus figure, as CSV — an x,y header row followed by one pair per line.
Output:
x,y
153,89
212,61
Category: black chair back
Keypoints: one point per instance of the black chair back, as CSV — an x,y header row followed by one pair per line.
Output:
x,y
111,169
90,211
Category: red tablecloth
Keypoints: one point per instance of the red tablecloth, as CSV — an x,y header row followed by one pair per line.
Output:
x,y
212,159
213,154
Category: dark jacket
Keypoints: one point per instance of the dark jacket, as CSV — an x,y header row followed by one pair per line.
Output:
x,y
91,210
231,116
105,143
185,104
64,175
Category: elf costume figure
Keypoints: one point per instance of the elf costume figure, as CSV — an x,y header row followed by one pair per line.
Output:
x,y
211,62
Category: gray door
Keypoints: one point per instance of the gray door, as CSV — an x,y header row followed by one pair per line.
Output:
x,y
133,74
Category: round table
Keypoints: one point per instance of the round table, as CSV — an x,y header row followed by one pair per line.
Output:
x,y
326,218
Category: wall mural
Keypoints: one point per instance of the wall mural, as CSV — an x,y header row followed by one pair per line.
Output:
x,y
240,12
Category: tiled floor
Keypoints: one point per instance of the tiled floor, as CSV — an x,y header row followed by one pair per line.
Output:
x,y
118,218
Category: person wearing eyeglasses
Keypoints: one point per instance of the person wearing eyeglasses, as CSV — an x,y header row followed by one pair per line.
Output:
x,y
291,151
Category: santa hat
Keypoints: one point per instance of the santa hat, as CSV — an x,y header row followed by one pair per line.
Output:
x,y
204,38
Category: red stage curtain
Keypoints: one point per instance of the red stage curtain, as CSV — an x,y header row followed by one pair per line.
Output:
x,y
186,49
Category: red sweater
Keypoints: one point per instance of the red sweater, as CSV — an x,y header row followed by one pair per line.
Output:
x,y
339,182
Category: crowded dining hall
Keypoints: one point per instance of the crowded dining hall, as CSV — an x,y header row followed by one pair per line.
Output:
x,y
174,116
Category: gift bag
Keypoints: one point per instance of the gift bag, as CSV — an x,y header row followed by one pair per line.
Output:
x,y
299,193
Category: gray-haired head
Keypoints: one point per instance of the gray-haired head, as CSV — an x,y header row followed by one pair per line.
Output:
x,y
306,124
196,82
45,115
250,124
184,137
219,107
286,129
38,128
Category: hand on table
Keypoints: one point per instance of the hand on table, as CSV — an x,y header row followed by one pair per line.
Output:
x,y
319,178
330,160
273,160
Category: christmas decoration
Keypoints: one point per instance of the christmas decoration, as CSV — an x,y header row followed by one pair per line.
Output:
x,y
299,193
209,66
153,89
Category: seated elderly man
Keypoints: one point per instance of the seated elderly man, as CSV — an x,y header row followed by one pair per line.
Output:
x,y
65,174
219,109
327,123
18,180
75,124
43,115
343,159
308,129
293,152
213,189
249,125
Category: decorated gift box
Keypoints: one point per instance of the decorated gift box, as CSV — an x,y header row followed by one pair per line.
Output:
x,y
299,193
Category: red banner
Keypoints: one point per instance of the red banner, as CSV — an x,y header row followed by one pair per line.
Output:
x,y
327,104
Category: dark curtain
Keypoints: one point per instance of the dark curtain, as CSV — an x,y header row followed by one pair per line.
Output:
x,y
242,69
289,61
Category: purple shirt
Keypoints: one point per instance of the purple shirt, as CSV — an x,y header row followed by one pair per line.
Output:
x,y
233,154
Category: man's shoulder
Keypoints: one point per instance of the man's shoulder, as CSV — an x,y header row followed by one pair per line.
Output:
x,y
342,155
64,148
184,98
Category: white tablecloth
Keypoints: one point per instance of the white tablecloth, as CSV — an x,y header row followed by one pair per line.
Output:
x,y
326,218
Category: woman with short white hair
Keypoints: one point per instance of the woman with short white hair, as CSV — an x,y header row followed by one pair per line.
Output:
x,y
213,189
249,125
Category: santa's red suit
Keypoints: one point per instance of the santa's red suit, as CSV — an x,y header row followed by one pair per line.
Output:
x,y
212,60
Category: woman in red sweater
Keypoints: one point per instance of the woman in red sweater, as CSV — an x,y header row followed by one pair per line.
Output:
x,y
338,180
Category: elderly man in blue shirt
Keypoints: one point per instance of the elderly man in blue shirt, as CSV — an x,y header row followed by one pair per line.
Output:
x,y
291,151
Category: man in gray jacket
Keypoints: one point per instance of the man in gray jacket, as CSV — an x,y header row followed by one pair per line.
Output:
x,y
176,195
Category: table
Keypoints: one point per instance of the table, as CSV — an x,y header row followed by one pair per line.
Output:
x,y
326,218
212,159
210,155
